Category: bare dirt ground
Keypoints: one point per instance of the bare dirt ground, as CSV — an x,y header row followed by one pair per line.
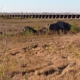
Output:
x,y
46,57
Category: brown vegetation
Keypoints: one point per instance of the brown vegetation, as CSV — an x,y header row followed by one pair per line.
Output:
x,y
43,57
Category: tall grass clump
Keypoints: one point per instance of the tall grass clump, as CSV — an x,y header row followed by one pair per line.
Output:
x,y
28,32
37,27
75,28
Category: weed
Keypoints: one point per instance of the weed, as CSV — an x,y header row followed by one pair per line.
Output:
x,y
26,78
28,32
5,69
37,27
15,62
75,28
77,54
7,52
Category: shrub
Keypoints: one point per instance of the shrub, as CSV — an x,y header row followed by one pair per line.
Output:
x,y
75,28
28,32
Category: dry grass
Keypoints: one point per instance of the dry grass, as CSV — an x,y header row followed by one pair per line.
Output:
x,y
45,57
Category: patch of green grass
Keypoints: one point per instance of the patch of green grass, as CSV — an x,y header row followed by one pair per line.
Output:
x,y
28,32
75,28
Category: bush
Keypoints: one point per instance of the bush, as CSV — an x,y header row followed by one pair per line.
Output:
x,y
28,32
75,28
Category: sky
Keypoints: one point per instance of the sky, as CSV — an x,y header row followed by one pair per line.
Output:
x,y
54,6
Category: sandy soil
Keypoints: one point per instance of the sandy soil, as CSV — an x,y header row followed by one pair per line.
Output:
x,y
47,57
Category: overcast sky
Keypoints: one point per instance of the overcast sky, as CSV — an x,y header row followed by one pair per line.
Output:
x,y
71,6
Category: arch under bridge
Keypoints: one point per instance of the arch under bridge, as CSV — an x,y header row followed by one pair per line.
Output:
x,y
41,15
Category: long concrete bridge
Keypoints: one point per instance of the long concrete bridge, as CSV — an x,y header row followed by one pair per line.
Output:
x,y
41,15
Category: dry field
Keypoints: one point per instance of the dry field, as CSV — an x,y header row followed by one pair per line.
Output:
x,y
45,57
